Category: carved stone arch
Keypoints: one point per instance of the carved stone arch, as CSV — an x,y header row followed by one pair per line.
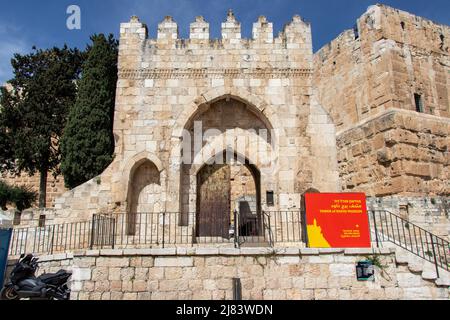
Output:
x,y
202,102
250,158
132,164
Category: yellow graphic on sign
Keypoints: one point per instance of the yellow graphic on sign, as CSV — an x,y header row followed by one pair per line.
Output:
x,y
316,238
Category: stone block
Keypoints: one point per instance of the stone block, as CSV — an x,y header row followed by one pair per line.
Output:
x,y
209,285
408,280
137,252
100,273
255,251
127,274
288,260
173,285
102,286
207,251
141,273
417,293
114,274
116,296
174,262
358,251
229,251
340,269
111,252
139,286
115,285
113,262
321,259
309,251
287,251
144,296
81,274
130,296
164,252
156,273
147,262
85,262
149,83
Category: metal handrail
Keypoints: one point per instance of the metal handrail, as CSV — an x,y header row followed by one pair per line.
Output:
x,y
409,236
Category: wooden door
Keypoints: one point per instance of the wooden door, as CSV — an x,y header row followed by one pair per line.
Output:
x,y
213,201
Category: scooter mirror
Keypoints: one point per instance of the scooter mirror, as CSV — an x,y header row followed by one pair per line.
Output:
x,y
22,255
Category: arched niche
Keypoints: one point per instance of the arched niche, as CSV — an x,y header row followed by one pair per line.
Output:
x,y
144,193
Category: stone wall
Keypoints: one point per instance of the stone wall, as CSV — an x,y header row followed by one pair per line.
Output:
x,y
430,213
207,273
166,82
389,56
55,186
398,152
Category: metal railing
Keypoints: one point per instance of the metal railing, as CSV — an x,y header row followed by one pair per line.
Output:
x,y
165,229
390,227
172,228
51,239
102,231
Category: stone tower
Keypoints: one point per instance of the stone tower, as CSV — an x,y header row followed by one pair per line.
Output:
x,y
251,98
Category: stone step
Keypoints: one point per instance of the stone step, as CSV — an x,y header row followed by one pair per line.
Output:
x,y
426,269
255,244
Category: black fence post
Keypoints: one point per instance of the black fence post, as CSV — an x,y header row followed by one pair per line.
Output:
x,y
92,232
236,229
434,255
271,242
164,229
375,227
53,237
237,289
113,235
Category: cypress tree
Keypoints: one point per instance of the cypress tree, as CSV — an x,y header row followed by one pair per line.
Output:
x,y
87,144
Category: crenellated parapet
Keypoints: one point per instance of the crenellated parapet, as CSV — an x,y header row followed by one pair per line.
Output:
x,y
167,30
231,29
296,34
133,28
290,49
199,30
263,30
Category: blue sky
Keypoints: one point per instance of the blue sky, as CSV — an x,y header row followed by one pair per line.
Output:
x,y
24,23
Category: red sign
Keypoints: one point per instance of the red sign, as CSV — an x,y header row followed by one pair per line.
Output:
x,y
337,220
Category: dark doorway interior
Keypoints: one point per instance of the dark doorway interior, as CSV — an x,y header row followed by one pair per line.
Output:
x,y
213,201
226,192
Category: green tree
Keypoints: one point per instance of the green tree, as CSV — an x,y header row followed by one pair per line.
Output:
x,y
35,112
87,144
6,140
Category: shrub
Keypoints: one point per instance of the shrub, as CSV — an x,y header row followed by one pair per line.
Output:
x,y
21,197
4,195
